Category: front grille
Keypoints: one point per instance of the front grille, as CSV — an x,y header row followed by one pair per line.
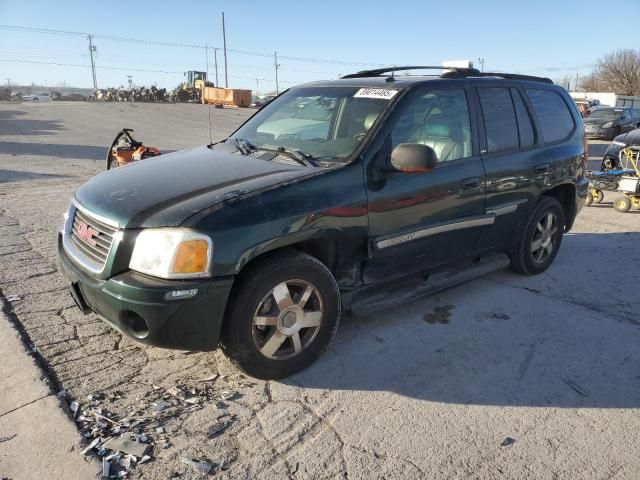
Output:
x,y
92,237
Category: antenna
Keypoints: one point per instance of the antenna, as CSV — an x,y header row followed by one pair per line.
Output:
x,y
204,86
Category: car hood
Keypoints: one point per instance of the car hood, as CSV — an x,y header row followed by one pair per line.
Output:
x,y
164,191
630,138
597,121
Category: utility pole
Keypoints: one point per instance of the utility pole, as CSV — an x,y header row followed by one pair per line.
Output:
x,y
8,82
215,64
130,80
575,89
92,49
275,63
224,44
257,86
481,62
206,53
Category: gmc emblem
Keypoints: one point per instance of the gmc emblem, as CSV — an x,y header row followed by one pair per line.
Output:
x,y
87,233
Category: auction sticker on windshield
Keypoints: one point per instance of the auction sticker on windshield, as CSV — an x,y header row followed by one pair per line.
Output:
x,y
382,93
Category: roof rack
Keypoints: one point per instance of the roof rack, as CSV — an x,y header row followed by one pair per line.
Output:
x,y
377,72
451,72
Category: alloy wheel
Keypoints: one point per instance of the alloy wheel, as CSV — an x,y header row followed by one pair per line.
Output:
x,y
544,237
287,319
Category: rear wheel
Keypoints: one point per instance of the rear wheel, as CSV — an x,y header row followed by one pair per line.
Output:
x,y
622,204
284,315
541,238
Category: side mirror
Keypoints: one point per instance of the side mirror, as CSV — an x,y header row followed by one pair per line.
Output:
x,y
413,158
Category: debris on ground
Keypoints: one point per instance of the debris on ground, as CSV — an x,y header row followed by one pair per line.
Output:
x,y
577,388
124,443
7,438
201,466
13,298
507,442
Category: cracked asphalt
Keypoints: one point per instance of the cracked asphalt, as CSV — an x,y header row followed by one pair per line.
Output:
x,y
421,389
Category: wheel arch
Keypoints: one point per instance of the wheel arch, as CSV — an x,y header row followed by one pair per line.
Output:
x,y
565,193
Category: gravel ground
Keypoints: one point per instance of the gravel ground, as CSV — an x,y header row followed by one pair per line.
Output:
x,y
428,389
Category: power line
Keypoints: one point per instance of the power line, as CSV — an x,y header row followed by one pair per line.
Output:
x,y
182,45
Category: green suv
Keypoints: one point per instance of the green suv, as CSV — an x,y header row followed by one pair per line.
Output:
x,y
335,188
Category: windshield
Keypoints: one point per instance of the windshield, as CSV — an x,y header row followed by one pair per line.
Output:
x,y
326,123
606,114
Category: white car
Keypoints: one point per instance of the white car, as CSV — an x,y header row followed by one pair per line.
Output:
x,y
38,97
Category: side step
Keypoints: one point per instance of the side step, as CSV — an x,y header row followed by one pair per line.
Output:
x,y
414,288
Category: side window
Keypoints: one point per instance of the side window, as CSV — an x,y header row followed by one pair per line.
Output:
x,y
499,119
525,127
553,114
439,119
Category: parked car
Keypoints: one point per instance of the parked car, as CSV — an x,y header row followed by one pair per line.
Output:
x,y
262,101
611,159
38,97
257,243
74,97
607,123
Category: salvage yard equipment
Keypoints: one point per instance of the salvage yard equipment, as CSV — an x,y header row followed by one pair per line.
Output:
x,y
629,185
125,149
228,97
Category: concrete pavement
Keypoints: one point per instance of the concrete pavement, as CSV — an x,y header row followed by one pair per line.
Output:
x,y
37,439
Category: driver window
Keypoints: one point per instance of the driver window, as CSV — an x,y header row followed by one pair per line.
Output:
x,y
439,119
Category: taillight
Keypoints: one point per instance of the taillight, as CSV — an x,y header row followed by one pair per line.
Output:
x,y
585,158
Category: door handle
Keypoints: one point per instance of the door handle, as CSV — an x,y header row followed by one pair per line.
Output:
x,y
470,183
541,169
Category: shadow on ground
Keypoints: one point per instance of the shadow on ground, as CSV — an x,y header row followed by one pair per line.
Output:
x,y
81,152
11,125
557,340
20,176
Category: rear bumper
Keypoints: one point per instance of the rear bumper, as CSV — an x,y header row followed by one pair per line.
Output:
x,y
605,133
141,307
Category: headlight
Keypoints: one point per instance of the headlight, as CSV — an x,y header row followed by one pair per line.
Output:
x,y
172,253
607,125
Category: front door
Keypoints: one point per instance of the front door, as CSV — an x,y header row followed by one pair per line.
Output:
x,y
421,220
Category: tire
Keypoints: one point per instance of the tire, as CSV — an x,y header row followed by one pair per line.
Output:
x,y
259,334
589,199
526,258
599,196
35,99
622,204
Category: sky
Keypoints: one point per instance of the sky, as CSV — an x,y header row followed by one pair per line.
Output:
x,y
314,40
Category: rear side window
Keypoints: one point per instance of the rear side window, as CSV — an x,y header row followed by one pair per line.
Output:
x,y
499,119
525,127
553,114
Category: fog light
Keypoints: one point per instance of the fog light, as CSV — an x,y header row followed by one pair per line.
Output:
x,y
179,294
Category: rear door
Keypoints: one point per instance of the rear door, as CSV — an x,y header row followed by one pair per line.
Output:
x,y
421,220
508,141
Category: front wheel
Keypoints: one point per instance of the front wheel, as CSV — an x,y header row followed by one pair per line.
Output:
x,y
283,316
541,238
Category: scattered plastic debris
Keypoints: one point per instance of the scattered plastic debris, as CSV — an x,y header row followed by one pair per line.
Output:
x,y
219,427
507,442
210,378
13,298
126,446
144,459
161,405
228,395
7,438
159,429
75,409
106,468
201,466
61,393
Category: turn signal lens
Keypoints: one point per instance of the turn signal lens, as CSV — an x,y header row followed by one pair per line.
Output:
x,y
191,257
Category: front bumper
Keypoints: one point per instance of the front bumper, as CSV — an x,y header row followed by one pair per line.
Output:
x,y
137,306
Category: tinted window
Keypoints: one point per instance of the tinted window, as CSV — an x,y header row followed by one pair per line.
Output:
x,y
525,127
439,119
499,119
553,114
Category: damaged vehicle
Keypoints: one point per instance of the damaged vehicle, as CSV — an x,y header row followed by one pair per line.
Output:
x,y
333,190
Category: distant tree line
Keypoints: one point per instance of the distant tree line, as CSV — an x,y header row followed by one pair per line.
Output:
x,y
617,72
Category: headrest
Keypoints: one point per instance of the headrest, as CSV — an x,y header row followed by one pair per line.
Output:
x,y
436,130
369,120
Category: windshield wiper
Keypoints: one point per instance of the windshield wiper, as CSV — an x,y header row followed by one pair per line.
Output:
x,y
244,146
299,156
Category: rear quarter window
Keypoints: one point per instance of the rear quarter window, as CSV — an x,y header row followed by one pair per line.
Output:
x,y
554,116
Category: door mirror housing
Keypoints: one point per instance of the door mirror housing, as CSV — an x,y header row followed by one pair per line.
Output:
x,y
413,158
